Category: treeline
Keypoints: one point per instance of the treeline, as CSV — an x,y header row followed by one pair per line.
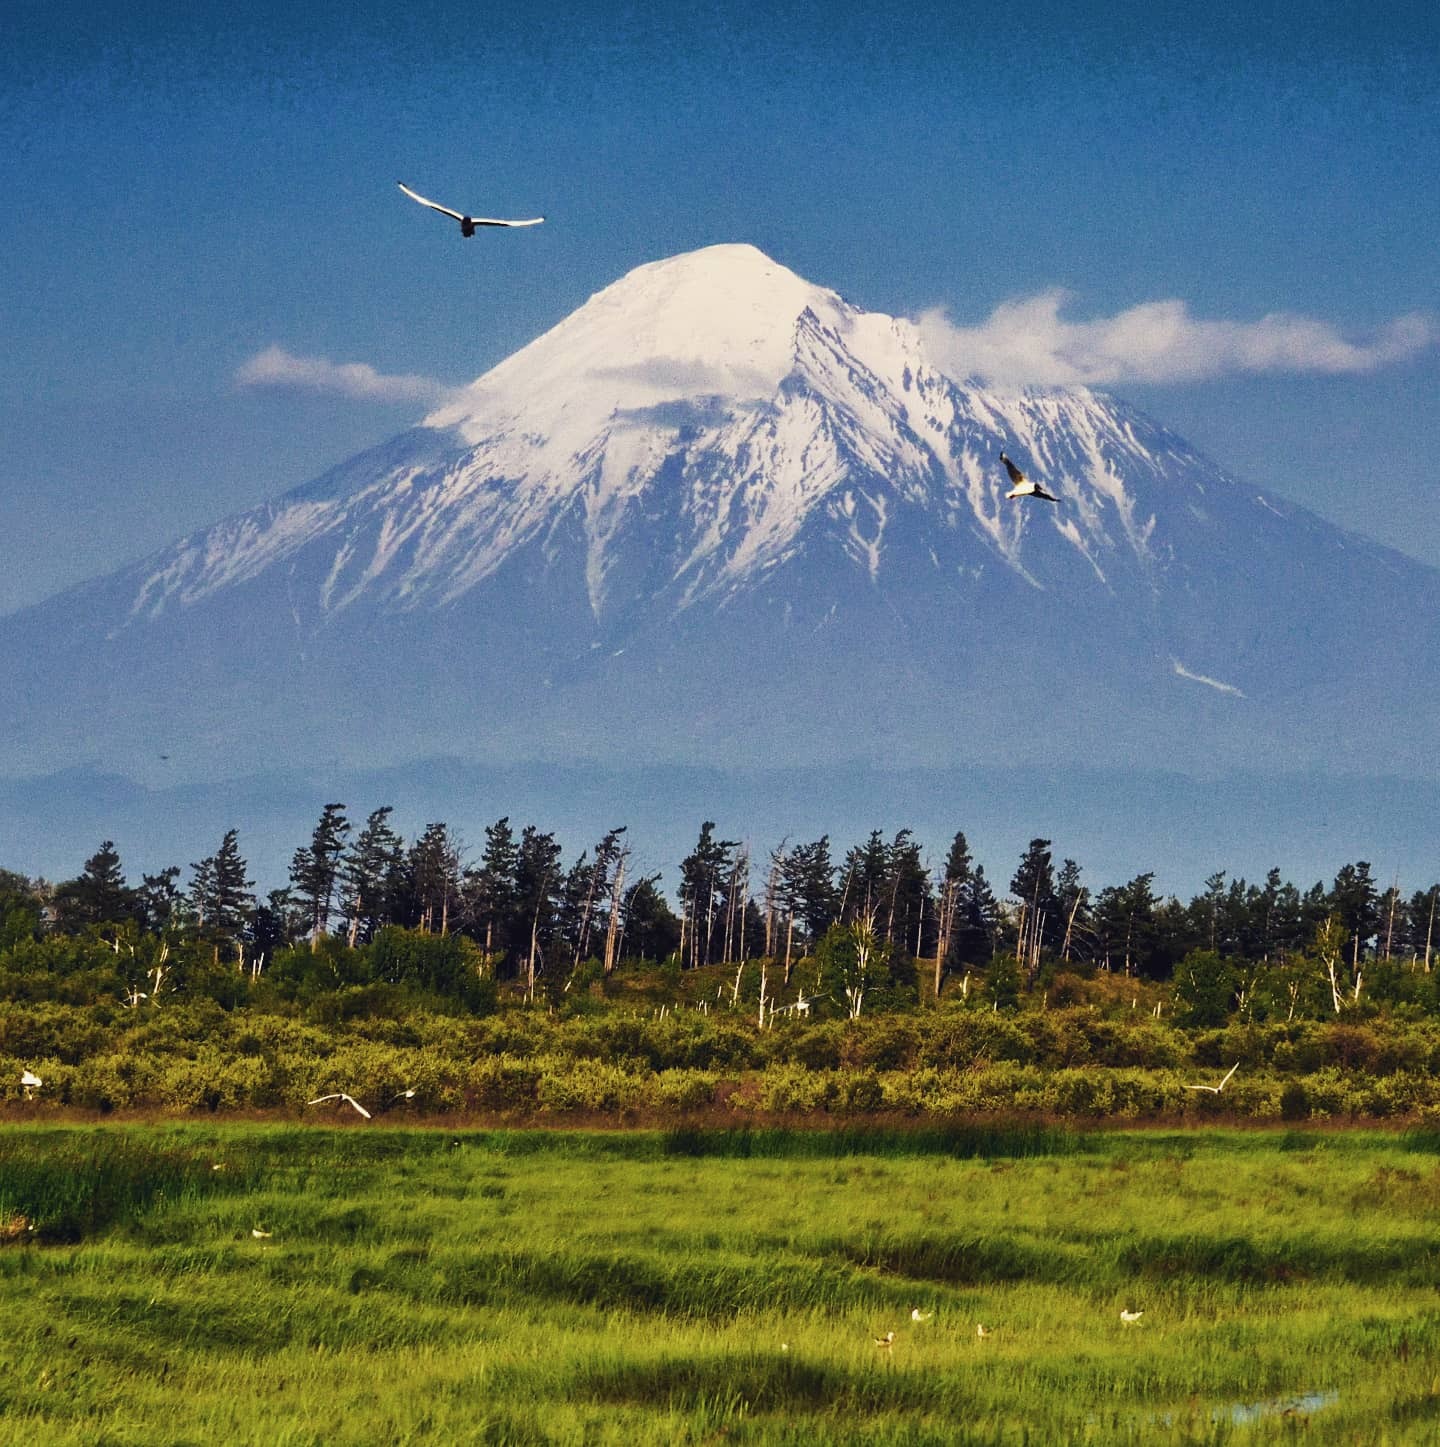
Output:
x,y
873,926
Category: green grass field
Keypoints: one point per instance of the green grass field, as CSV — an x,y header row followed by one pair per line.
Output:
x,y
644,1287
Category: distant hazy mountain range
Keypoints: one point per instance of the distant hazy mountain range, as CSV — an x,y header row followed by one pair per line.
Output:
x,y
718,516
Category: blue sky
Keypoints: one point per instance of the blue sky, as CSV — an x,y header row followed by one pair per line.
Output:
x,y
187,188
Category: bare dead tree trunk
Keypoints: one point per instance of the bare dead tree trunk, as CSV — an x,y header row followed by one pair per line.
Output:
x,y
617,897
1070,926
945,926
1430,929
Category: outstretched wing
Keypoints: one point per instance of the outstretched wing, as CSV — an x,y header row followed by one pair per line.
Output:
x,y
491,221
433,205
1016,476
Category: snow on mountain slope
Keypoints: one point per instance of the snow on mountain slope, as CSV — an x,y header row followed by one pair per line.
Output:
x,y
715,471
755,393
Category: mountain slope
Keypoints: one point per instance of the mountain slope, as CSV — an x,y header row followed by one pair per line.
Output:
x,y
720,514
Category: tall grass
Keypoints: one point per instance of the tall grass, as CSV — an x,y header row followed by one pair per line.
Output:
x,y
597,1287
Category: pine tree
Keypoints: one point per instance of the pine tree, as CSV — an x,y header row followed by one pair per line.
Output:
x,y
233,898
1072,897
98,895
704,876
433,872
368,875
315,870
537,882
220,894
491,891
1039,917
1125,922
159,900
1355,903
809,879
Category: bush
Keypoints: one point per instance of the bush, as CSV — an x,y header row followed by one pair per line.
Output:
x,y
1294,1101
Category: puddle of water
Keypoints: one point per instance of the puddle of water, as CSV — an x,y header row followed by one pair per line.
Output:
x,y
1241,1413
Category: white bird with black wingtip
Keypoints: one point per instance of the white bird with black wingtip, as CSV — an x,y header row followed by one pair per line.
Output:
x,y
467,223
1023,486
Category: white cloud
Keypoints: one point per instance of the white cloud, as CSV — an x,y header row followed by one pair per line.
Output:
x,y
275,367
1029,341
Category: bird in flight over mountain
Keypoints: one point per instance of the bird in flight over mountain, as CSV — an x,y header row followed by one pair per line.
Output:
x,y
1023,486
467,223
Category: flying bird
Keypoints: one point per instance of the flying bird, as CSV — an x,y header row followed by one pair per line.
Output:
x,y
1130,1317
340,1095
467,223
1216,1089
30,1082
404,1095
1023,487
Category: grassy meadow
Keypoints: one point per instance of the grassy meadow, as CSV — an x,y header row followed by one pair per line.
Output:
x,y
423,1285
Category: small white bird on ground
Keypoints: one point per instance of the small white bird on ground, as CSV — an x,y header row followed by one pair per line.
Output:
x,y
1023,487
30,1083
467,223
1216,1089
981,1330
917,1315
1130,1317
885,1342
259,1235
340,1095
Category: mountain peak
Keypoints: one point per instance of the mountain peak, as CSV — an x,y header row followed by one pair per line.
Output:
x,y
719,321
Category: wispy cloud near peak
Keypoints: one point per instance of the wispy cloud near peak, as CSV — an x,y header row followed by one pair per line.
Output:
x,y
275,367
1028,341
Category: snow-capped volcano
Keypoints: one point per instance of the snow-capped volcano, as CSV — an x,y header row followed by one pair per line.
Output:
x,y
718,509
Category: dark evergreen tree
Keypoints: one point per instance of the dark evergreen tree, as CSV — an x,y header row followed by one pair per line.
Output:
x,y
1125,924
369,875
159,902
1354,902
704,878
220,893
315,870
490,891
1034,886
98,896
865,871
432,872
1072,898
977,927
587,897
537,885
1423,926
809,881
650,930
577,894
908,909
275,925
